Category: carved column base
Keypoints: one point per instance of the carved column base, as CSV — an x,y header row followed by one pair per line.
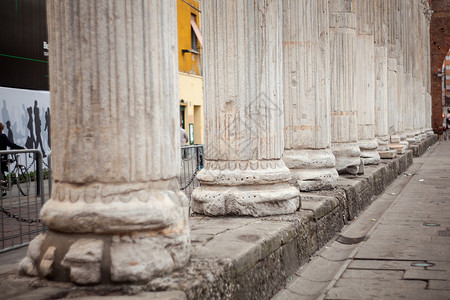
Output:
x,y
429,132
108,208
104,233
369,152
106,258
347,157
255,188
383,143
312,169
411,137
398,144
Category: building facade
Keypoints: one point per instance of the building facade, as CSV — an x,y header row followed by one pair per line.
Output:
x,y
190,69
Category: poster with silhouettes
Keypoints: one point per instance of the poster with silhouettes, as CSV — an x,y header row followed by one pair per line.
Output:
x,y
26,116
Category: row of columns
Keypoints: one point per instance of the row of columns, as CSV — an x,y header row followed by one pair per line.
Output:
x,y
295,93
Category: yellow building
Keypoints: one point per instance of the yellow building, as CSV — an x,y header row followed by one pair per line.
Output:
x,y
190,69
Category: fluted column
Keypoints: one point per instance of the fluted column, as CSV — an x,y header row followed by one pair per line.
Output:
x,y
427,62
244,173
115,212
380,28
306,94
364,81
344,120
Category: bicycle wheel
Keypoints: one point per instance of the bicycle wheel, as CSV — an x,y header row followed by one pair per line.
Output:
x,y
23,180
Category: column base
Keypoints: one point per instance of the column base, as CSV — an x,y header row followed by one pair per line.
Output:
x,y
252,188
311,170
105,233
87,259
369,153
399,148
112,208
347,157
383,143
253,200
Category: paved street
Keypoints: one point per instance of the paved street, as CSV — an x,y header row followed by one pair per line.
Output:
x,y
407,250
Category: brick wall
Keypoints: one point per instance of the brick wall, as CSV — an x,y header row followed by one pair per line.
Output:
x,y
439,46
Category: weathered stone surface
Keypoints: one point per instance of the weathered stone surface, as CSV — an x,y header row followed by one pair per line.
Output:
x,y
169,295
243,172
414,274
83,259
253,200
386,154
45,267
327,270
119,188
311,169
373,274
28,266
130,259
318,204
307,132
303,286
439,285
347,158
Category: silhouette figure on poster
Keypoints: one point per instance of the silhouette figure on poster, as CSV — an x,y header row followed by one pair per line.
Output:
x,y
47,126
5,113
10,132
37,128
30,140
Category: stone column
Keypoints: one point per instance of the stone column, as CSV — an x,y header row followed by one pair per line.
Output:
x,y
364,81
381,23
344,121
115,213
243,173
427,61
306,95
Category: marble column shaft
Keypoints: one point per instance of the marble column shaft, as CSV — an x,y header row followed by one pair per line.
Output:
x,y
306,95
115,144
243,172
380,30
364,81
344,123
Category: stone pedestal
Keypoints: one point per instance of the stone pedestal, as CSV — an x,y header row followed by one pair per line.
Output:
x,y
344,121
306,95
243,172
116,213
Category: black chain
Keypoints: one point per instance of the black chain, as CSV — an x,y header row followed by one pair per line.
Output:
x,y
20,219
191,180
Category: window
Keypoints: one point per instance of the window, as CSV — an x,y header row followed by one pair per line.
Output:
x,y
196,36
447,57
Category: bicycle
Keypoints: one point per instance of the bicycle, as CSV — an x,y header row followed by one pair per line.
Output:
x,y
19,175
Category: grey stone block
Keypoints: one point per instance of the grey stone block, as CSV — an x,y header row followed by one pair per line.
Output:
x,y
373,274
307,287
321,269
425,275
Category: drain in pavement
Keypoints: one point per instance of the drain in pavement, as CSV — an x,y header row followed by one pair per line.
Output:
x,y
430,224
350,241
422,264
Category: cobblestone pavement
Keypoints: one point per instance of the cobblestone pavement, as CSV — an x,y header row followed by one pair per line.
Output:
x,y
406,251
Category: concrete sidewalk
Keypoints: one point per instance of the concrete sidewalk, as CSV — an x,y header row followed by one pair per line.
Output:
x,y
406,252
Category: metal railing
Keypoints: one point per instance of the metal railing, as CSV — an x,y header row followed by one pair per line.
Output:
x,y
191,163
28,184
21,198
